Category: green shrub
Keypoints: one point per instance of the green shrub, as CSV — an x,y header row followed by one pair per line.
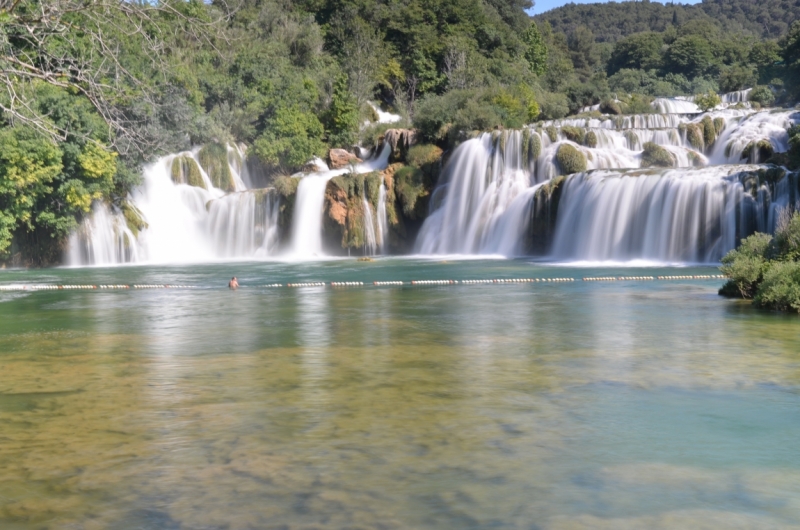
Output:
x,y
745,266
639,104
610,106
552,133
590,139
762,95
570,159
709,131
780,288
707,101
655,155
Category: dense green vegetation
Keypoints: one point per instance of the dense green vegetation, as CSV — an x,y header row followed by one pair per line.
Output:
x,y
766,268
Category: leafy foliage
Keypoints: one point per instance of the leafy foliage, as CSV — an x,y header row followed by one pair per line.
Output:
x,y
766,268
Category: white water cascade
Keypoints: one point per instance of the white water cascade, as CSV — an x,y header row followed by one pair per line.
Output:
x,y
621,211
383,220
370,239
307,221
184,223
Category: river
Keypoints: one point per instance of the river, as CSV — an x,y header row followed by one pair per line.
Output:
x,y
620,404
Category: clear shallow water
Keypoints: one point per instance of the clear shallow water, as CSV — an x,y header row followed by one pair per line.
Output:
x,y
572,405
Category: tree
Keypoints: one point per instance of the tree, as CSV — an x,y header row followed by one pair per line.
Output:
x,y
535,49
110,52
690,55
28,166
342,115
707,101
639,51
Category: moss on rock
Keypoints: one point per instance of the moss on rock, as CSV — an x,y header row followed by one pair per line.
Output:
x,y
186,171
656,156
576,134
694,135
719,125
758,151
552,133
570,159
591,139
709,131
133,218
213,159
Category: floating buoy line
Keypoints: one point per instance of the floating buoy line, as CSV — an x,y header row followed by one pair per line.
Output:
x,y
414,283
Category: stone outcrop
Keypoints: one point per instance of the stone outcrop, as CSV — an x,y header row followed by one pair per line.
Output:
x,y
340,158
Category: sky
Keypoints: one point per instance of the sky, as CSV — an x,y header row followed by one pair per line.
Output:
x,y
545,5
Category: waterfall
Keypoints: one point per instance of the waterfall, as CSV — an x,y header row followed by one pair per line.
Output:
x,y
669,216
487,200
307,220
483,180
383,220
102,239
370,240
188,218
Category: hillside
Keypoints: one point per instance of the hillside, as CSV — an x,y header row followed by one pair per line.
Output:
x,y
612,21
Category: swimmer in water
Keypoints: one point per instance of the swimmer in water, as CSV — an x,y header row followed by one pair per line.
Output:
x,y
233,284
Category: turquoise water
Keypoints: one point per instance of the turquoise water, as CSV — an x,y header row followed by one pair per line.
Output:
x,y
551,405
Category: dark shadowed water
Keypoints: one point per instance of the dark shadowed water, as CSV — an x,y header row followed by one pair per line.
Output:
x,y
535,406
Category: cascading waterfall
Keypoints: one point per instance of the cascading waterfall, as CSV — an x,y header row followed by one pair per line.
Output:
x,y
307,221
486,197
188,218
102,239
383,220
673,215
370,239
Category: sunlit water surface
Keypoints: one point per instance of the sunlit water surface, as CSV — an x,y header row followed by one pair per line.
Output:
x,y
535,406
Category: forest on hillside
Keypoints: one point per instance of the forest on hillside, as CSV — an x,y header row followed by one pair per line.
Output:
x,y
93,89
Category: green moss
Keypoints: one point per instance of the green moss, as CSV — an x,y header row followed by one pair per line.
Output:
x,y
133,218
575,134
535,148
423,154
695,159
570,159
719,125
409,187
591,139
552,132
758,150
526,136
214,160
694,135
186,171
656,156
709,131
633,140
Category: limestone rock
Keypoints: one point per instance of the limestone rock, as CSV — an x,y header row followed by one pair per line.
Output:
x,y
339,158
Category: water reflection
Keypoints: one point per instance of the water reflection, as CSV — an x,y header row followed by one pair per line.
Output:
x,y
575,406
